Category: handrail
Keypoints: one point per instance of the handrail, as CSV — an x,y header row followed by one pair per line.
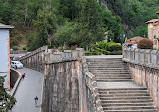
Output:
x,y
92,85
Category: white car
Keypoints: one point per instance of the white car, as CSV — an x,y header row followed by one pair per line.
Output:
x,y
16,64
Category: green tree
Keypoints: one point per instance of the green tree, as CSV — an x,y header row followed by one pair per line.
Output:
x,y
45,25
67,34
90,29
110,36
7,101
70,8
112,23
141,31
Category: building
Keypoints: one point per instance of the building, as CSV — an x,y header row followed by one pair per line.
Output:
x,y
134,40
5,53
153,31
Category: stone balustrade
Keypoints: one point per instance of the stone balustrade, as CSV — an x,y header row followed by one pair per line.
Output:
x,y
36,59
144,67
94,102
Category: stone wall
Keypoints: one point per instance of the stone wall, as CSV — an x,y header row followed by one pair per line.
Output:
x,y
64,84
68,86
144,68
14,77
35,59
92,95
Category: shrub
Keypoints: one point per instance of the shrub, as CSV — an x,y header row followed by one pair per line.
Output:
x,y
114,47
24,48
15,48
145,44
102,45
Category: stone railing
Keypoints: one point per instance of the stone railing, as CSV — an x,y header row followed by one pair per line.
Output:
x,y
94,102
68,85
144,68
35,59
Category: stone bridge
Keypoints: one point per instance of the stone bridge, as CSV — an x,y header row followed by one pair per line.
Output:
x,y
76,83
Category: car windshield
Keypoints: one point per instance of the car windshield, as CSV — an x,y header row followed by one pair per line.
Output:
x,y
18,63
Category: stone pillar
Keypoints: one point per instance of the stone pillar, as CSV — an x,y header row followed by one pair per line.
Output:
x,y
154,57
147,56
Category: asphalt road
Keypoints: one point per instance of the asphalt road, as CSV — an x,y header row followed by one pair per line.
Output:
x,y
29,88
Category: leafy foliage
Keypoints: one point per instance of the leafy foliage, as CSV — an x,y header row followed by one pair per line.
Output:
x,y
15,48
145,44
67,34
105,48
114,46
90,28
134,14
44,19
6,101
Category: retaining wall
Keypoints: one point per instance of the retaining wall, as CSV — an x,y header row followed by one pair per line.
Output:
x,y
35,59
68,86
144,68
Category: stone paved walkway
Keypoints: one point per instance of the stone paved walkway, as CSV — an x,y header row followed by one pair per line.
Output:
x,y
29,87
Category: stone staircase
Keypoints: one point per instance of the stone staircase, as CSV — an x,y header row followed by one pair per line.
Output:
x,y
117,91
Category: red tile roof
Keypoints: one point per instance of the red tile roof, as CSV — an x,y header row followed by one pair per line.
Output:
x,y
134,40
152,21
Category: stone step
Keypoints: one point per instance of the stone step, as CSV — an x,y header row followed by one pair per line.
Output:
x,y
128,107
119,99
146,110
127,104
97,59
105,68
128,101
126,97
119,78
112,75
119,95
119,92
109,72
109,67
123,89
113,80
100,63
105,64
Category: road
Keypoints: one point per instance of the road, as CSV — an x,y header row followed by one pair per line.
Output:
x,y
29,88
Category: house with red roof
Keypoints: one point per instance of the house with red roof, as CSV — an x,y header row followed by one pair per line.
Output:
x,y
153,31
134,40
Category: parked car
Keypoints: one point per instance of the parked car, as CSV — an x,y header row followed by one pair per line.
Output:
x,y
16,64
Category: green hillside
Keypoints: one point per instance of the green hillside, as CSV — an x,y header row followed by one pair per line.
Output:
x,y
75,22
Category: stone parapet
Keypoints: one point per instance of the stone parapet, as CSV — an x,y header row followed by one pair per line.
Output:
x,y
94,102
36,59
144,67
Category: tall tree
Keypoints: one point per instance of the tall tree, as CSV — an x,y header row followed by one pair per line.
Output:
x,y
45,25
70,8
90,28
